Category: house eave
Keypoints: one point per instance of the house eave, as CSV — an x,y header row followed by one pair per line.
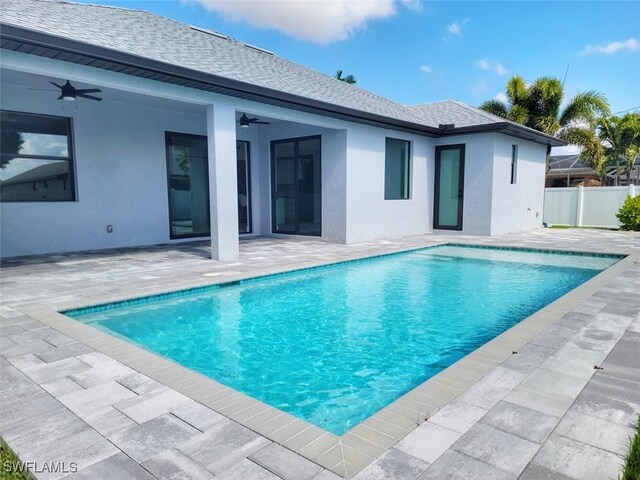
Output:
x,y
510,129
37,43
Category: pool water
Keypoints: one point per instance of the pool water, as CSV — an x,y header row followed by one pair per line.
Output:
x,y
334,345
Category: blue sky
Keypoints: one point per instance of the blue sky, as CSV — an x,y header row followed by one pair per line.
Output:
x,y
415,51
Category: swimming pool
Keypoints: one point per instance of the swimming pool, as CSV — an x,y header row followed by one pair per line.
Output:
x,y
335,344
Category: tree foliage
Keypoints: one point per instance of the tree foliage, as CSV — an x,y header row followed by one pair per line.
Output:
x,y
347,79
11,143
539,105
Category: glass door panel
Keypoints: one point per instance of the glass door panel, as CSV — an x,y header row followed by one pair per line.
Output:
x,y
284,194
309,183
296,185
449,188
187,170
244,188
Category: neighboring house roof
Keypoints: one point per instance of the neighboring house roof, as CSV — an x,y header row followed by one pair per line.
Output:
x,y
43,172
571,164
140,43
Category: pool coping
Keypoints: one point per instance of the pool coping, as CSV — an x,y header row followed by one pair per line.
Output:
x,y
350,452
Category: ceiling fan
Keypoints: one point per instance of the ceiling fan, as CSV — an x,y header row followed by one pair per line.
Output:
x,y
70,93
246,121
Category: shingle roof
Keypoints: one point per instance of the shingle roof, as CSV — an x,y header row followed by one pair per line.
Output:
x,y
152,37
453,111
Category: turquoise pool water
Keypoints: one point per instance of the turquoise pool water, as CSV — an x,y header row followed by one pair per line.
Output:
x,y
335,344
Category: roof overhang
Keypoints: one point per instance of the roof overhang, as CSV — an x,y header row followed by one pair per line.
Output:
x,y
511,129
41,44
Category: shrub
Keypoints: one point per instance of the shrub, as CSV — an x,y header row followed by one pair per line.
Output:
x,y
629,214
631,470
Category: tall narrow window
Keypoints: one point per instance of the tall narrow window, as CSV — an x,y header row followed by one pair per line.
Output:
x,y
37,160
396,169
514,163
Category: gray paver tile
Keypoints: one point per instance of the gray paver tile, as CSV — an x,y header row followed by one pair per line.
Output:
x,y
102,373
61,386
521,421
154,436
225,444
173,465
483,395
326,475
612,409
51,371
85,448
197,415
457,466
140,383
577,460
86,401
621,388
458,416
596,432
153,404
64,351
108,421
489,445
536,472
246,469
285,463
15,385
428,441
25,408
115,467
28,360
393,465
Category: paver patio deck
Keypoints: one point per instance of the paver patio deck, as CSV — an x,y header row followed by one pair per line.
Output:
x,y
544,412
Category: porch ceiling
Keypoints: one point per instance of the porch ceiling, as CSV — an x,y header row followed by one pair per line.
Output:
x,y
26,81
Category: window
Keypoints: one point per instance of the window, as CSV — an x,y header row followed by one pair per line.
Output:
x,y
37,163
396,169
514,163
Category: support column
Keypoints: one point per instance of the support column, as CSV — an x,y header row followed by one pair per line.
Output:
x,y
223,178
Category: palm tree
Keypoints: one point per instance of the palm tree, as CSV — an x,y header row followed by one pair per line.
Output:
x,y
612,140
539,105
348,79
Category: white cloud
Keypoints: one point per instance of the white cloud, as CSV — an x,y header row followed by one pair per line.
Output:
x,y
480,85
487,66
631,45
319,21
455,29
426,69
502,97
500,70
415,5
483,64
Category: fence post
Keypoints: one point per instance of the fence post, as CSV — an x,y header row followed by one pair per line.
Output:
x,y
579,209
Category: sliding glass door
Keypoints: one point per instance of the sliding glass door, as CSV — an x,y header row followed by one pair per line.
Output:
x,y
188,174
188,177
449,187
244,187
296,186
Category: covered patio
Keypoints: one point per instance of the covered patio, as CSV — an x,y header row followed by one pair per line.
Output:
x,y
538,413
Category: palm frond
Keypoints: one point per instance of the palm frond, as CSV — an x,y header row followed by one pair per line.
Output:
x,y
496,107
585,106
519,114
517,90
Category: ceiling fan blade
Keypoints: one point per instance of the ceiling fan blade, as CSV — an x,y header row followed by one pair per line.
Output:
x,y
262,123
60,97
42,89
253,120
88,90
90,97
54,83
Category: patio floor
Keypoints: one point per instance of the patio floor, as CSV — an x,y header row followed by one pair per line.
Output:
x,y
542,413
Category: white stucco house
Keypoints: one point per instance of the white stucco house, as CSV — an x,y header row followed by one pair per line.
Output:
x,y
198,135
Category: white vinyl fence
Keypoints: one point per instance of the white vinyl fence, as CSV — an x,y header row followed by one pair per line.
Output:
x,y
585,206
